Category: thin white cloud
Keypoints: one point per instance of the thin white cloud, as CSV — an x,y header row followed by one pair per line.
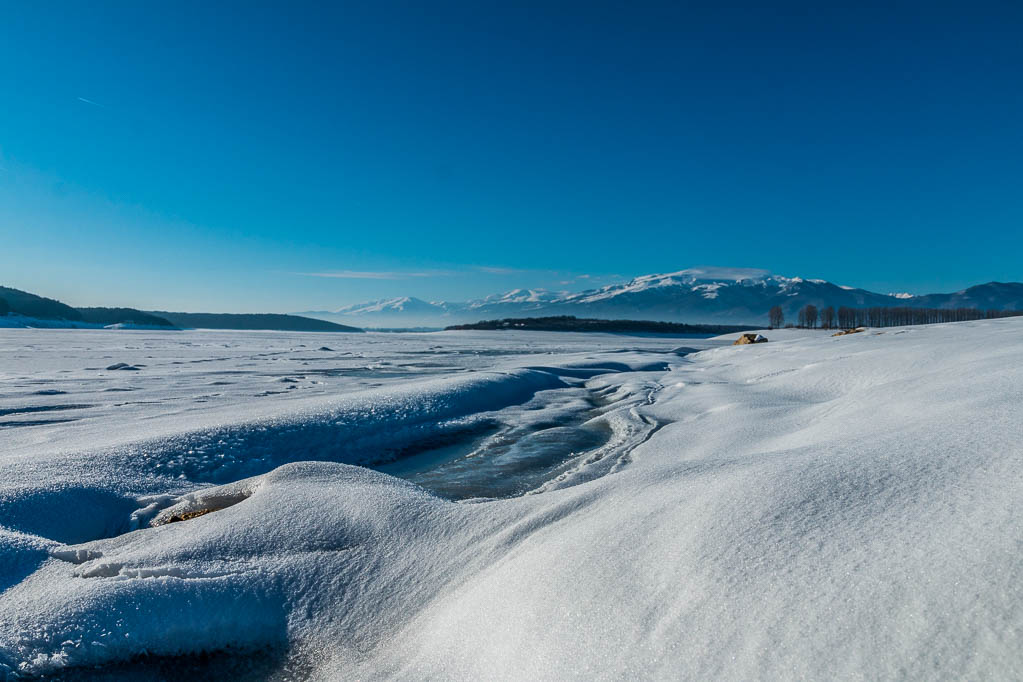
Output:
x,y
89,101
498,270
377,274
561,277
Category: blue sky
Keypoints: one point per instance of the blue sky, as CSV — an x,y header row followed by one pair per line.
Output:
x,y
196,156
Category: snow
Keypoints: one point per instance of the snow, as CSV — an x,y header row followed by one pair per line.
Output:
x,y
709,290
15,321
814,507
519,296
392,305
712,277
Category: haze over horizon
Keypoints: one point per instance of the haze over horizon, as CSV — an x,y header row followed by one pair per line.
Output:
x,y
194,158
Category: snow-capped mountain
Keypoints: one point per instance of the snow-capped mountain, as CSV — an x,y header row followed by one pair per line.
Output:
x,y
520,296
404,305
695,295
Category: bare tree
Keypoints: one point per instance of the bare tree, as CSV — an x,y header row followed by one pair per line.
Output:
x,y
846,317
828,317
776,317
901,316
808,316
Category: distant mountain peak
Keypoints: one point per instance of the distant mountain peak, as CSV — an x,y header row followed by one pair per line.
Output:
x,y
397,304
698,295
522,296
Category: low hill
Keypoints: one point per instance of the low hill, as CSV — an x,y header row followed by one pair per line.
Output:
x,y
105,316
569,323
33,310
23,303
252,321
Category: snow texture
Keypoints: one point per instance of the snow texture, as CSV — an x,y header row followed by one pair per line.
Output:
x,y
815,507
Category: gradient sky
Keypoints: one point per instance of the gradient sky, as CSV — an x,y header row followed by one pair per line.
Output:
x,y
191,157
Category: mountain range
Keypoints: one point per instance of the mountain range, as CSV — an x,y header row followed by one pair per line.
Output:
x,y
704,295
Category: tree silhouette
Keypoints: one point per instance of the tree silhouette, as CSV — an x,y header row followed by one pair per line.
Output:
x,y
776,317
828,317
849,318
808,316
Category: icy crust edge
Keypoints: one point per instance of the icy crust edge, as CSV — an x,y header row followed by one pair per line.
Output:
x,y
358,429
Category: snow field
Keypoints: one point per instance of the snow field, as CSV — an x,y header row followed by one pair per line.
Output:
x,y
809,508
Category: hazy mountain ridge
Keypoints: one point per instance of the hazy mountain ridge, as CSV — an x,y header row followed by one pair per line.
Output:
x,y
696,295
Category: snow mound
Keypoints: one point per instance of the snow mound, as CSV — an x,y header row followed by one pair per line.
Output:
x,y
231,579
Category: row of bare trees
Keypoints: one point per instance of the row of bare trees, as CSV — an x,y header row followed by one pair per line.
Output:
x,y
847,318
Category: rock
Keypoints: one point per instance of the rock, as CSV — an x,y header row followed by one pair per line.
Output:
x,y
189,515
124,366
850,331
750,338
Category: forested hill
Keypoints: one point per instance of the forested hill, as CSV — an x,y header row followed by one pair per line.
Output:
x,y
18,302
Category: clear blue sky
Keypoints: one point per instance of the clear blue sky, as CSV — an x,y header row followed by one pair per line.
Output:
x,y
184,156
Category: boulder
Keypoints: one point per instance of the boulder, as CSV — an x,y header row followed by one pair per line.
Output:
x,y
850,331
750,338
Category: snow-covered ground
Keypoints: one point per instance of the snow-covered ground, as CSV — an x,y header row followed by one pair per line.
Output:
x,y
13,321
815,507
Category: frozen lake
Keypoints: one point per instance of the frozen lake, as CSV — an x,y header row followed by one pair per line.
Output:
x,y
464,414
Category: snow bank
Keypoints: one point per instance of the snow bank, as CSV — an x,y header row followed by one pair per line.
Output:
x,y
814,508
14,321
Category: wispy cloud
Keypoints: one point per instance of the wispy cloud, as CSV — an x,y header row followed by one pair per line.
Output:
x,y
377,274
498,270
89,101
561,277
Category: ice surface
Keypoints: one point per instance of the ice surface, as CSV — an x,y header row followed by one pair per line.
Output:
x,y
815,507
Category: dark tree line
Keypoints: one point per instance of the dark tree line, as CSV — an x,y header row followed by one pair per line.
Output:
x,y
848,318
570,323
901,316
